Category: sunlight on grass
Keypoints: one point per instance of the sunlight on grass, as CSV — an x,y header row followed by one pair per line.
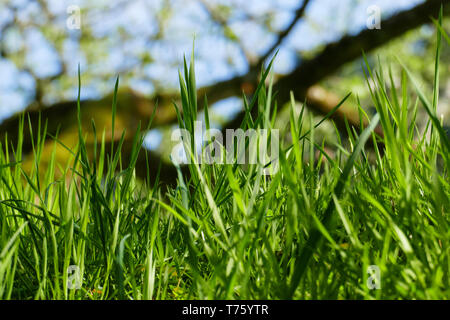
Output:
x,y
227,231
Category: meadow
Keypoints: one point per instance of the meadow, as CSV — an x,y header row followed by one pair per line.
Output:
x,y
311,230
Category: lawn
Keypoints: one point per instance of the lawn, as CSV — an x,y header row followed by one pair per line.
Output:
x,y
370,221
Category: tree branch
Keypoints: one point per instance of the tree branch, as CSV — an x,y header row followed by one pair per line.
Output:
x,y
282,35
347,49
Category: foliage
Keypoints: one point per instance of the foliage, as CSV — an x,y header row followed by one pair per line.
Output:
x,y
309,231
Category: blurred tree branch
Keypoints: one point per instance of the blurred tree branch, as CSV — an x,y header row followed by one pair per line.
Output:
x,y
345,50
299,13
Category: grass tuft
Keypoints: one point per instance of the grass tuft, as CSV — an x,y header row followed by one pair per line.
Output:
x,y
228,231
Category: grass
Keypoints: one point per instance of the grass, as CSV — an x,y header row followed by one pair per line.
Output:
x,y
309,231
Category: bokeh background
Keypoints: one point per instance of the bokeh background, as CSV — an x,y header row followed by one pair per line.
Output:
x,y
144,42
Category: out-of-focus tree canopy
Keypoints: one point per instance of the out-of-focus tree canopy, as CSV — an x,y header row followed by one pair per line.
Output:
x,y
144,41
